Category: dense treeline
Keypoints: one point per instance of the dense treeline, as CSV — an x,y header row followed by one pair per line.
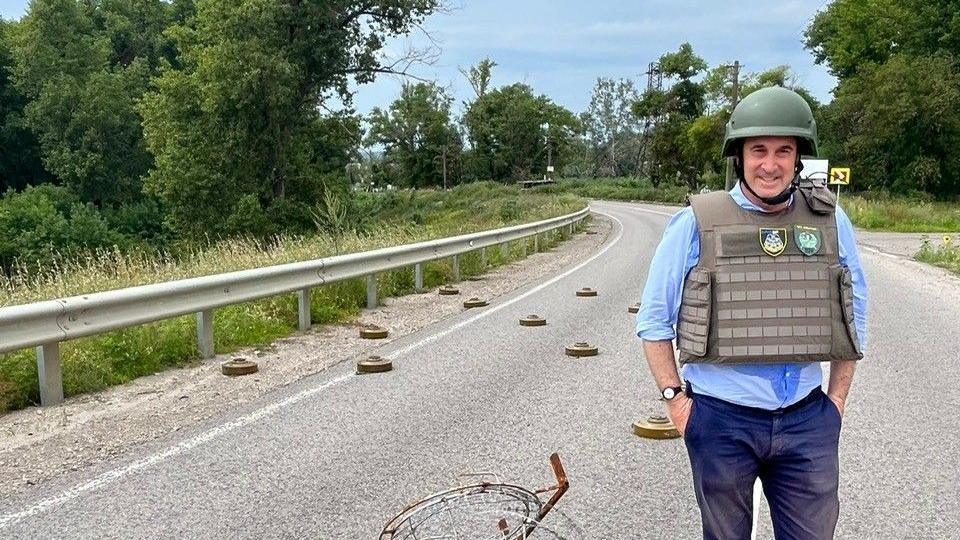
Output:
x,y
153,123
895,115
147,124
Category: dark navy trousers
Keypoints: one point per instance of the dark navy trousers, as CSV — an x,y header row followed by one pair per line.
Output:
x,y
792,450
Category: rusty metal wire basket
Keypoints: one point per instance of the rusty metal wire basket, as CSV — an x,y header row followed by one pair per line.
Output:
x,y
478,511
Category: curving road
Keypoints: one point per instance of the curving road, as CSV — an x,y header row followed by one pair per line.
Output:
x,y
336,455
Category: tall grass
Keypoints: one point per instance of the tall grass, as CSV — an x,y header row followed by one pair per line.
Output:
x,y
394,218
901,215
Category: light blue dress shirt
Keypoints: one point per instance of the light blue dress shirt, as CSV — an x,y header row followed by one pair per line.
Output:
x,y
767,386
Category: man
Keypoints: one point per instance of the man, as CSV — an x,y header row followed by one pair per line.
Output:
x,y
762,283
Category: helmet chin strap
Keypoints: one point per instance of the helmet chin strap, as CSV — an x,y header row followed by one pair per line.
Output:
x,y
780,198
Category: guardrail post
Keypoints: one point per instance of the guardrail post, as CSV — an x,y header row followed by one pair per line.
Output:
x,y
205,333
505,251
571,229
456,268
483,257
303,308
48,369
371,291
536,243
523,248
418,277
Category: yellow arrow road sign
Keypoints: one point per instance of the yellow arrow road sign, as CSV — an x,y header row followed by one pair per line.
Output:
x,y
840,175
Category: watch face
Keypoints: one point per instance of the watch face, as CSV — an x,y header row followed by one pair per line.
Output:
x,y
669,393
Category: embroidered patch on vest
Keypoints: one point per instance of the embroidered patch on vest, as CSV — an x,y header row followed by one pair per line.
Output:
x,y
808,239
773,240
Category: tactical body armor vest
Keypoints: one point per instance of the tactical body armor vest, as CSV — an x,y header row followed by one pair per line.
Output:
x,y
768,288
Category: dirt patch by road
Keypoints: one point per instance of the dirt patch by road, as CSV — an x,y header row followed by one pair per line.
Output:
x,y
38,444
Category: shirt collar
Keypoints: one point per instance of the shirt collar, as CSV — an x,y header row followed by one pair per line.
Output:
x,y
737,193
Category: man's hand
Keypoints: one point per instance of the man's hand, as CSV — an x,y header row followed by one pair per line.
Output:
x,y
838,401
679,409
841,375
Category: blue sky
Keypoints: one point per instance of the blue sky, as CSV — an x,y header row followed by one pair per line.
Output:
x,y
560,48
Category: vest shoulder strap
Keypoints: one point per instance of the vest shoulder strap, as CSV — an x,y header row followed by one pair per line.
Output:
x,y
713,208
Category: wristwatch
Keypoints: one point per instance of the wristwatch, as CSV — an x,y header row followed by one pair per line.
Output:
x,y
670,392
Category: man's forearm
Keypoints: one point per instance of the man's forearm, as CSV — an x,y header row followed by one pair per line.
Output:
x,y
662,364
841,376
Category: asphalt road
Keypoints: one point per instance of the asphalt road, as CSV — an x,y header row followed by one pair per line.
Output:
x,y
336,455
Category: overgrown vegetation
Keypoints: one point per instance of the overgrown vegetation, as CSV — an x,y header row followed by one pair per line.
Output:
x,y
901,214
945,254
391,218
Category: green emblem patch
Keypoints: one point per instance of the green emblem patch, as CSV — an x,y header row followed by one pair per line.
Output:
x,y
808,239
773,240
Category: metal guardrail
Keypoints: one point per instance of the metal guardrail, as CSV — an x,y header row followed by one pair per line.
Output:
x,y
45,324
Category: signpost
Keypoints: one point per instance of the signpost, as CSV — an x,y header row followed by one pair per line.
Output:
x,y
840,176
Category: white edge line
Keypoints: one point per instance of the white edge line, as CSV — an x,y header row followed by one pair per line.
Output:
x,y
183,446
634,206
179,448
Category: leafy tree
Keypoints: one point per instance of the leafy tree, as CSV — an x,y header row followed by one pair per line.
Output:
x,y
20,163
898,125
135,29
612,126
479,76
417,135
894,113
668,115
508,128
83,91
240,117
44,223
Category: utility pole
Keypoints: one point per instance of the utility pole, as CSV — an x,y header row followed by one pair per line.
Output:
x,y
444,167
731,178
545,127
736,82
654,83
549,158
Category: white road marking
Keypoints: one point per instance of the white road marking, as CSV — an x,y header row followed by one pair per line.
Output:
x,y
177,449
115,474
498,307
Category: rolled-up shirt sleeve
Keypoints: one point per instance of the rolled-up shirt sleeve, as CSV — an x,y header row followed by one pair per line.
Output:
x,y
678,252
850,257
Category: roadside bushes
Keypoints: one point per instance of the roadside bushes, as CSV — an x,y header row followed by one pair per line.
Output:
x,y
43,224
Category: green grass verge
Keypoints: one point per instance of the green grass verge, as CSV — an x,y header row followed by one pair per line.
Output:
x,y
901,215
98,362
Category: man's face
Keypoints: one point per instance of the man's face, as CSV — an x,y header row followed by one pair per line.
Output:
x,y
769,163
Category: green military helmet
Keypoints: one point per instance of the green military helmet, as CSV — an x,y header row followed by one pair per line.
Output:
x,y
772,111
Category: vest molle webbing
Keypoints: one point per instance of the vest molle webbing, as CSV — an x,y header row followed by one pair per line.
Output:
x,y
767,289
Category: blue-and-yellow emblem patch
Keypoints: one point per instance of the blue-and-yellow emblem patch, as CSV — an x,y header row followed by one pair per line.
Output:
x,y
809,239
773,240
